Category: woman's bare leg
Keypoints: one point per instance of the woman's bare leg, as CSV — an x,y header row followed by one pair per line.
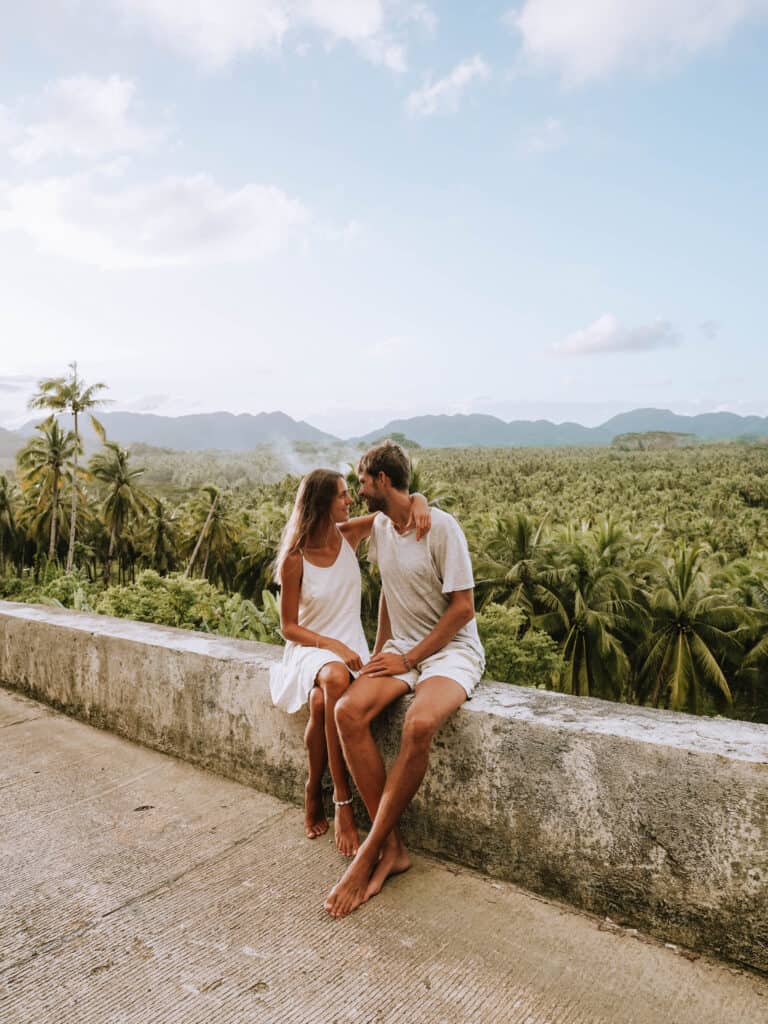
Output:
x,y
333,679
315,821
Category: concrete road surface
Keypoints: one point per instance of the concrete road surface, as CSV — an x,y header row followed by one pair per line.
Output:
x,y
137,889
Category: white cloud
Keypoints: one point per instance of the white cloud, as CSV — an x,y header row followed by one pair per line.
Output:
x,y
710,329
345,19
175,222
443,96
80,116
594,38
422,15
607,335
216,32
546,138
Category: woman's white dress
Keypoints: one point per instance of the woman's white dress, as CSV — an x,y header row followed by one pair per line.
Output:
x,y
329,604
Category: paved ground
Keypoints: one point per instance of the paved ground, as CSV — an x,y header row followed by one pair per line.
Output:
x,y
137,889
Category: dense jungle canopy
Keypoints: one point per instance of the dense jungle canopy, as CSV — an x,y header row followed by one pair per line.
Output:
x,y
633,575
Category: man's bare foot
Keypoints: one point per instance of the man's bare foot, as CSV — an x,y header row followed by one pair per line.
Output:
x,y
349,892
315,821
394,860
345,833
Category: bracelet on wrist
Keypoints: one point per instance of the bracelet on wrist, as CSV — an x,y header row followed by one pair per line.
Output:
x,y
406,662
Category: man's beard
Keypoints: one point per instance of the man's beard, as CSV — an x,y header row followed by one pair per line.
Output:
x,y
375,503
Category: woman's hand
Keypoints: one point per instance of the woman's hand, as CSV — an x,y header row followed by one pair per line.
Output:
x,y
421,516
351,659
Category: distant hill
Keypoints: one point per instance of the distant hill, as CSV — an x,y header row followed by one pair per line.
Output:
x,y
223,431
204,431
709,426
489,431
463,430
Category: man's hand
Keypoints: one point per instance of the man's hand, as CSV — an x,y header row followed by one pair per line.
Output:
x,y
387,663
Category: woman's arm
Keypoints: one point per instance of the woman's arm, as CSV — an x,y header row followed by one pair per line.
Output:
x,y
290,589
358,529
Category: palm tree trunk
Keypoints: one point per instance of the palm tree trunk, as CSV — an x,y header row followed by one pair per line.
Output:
x,y
73,507
203,532
54,518
110,552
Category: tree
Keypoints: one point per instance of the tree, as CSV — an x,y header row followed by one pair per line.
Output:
x,y
124,499
602,608
218,538
693,629
7,520
70,394
515,569
44,462
158,537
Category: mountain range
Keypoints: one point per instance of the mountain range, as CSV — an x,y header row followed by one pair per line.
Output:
x,y
228,432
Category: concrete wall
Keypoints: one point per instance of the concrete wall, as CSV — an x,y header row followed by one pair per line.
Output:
x,y
659,820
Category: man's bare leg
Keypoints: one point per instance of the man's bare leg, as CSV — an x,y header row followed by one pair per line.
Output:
x,y
333,680
315,821
436,698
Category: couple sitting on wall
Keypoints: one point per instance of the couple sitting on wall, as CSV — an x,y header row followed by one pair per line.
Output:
x,y
427,643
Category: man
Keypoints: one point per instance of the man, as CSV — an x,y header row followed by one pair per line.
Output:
x,y
427,642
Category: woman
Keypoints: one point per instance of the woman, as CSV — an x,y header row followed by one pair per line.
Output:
x,y
325,647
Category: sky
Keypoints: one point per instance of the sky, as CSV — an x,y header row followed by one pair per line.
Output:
x,y
355,210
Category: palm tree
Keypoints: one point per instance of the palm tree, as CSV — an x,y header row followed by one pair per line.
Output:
x,y
7,519
694,629
124,499
159,537
600,605
218,538
435,491
70,394
749,580
44,462
514,566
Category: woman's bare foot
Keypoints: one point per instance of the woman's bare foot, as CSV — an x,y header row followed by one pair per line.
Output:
x,y
349,892
345,833
394,860
315,821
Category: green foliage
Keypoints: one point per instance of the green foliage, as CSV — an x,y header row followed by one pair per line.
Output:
x,y
635,575
189,604
515,652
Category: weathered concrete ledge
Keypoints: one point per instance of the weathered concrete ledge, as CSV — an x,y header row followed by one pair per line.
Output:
x,y
659,820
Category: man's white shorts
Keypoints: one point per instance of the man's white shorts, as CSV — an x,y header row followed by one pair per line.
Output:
x,y
459,663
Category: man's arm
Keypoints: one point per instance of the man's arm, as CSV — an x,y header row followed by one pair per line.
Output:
x,y
384,627
460,611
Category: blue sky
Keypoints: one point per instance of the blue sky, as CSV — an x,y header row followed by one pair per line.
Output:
x,y
357,209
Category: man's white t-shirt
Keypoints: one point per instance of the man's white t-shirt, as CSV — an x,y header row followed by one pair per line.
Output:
x,y
418,576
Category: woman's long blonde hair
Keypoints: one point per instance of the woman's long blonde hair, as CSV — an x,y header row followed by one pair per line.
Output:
x,y
312,509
